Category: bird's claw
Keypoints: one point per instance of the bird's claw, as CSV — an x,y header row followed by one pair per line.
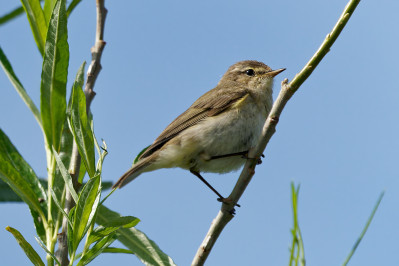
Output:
x,y
227,201
245,156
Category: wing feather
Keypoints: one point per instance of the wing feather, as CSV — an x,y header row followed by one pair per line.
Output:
x,y
210,104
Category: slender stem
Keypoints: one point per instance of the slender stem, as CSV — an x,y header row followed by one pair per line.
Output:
x,y
287,91
50,222
297,81
72,258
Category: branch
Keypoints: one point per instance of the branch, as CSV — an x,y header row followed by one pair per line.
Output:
x,y
226,212
92,74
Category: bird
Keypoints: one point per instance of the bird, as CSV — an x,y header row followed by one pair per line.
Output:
x,y
216,132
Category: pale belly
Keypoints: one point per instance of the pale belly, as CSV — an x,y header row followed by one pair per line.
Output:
x,y
215,136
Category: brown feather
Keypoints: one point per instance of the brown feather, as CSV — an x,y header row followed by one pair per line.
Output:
x,y
202,108
133,172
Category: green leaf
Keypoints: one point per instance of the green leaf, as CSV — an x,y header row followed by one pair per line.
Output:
x,y
72,6
121,221
17,173
54,77
99,233
37,22
135,240
65,174
38,223
106,185
47,251
58,185
85,209
82,173
11,15
97,249
6,65
377,204
58,204
117,250
48,9
101,152
27,248
80,124
111,226
70,234
140,153
297,251
7,194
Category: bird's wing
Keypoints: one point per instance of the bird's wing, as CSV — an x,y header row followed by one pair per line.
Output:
x,y
202,108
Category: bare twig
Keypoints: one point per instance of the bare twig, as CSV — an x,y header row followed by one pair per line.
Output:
x,y
92,74
287,91
96,53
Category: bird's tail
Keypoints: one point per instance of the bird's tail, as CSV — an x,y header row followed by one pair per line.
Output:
x,y
133,172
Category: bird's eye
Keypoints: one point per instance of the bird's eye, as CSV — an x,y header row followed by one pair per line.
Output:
x,y
250,72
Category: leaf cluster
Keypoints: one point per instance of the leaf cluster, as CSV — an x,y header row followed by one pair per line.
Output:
x,y
64,124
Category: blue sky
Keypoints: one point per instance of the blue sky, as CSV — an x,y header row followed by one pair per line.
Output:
x,y
337,137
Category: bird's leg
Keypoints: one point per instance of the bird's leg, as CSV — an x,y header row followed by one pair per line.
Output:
x,y
221,198
244,155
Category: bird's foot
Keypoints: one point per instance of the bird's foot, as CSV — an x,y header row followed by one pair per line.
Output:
x,y
245,156
227,201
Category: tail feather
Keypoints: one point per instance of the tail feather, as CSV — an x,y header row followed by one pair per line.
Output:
x,y
133,172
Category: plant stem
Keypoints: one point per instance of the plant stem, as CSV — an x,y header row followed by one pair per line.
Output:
x,y
50,242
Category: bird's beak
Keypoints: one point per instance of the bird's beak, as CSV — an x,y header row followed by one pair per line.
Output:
x,y
274,73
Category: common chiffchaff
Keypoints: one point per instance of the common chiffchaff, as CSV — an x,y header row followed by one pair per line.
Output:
x,y
215,133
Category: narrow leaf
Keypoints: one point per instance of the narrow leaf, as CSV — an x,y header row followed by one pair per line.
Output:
x,y
377,204
121,221
140,153
102,152
27,248
117,250
85,209
82,173
80,124
70,233
112,225
72,6
106,185
47,251
99,233
6,65
54,77
7,194
21,178
20,10
65,156
37,22
11,15
297,253
67,177
58,204
38,223
135,240
48,9
97,249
